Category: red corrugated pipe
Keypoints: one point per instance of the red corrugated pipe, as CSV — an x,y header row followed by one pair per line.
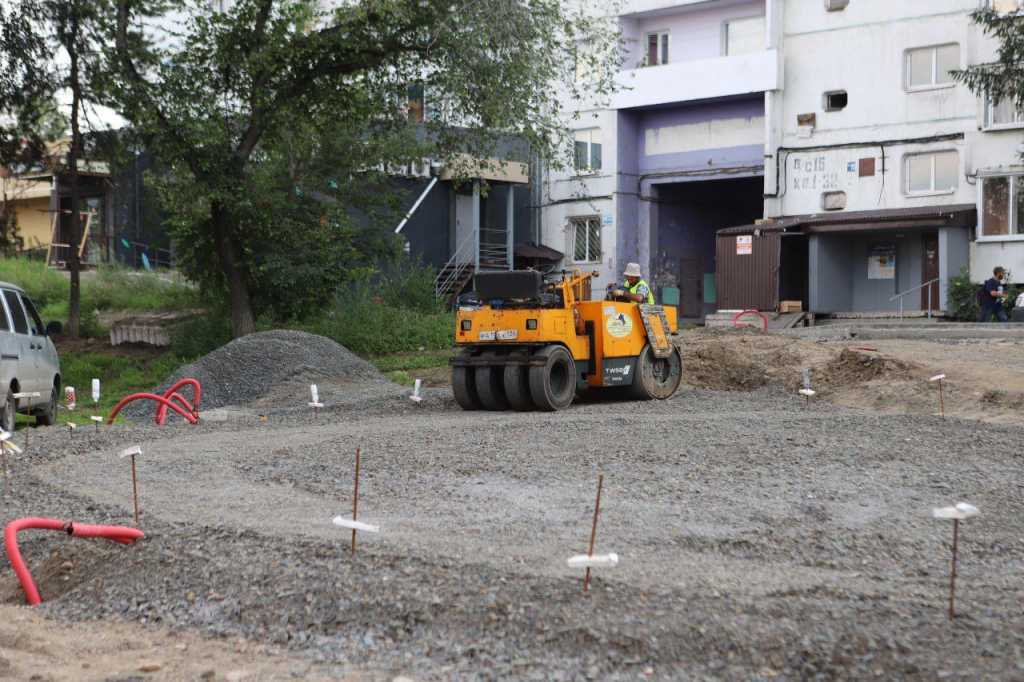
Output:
x,y
190,411
764,319
122,534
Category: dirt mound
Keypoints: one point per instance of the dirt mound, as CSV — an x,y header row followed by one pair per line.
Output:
x,y
717,367
269,367
68,566
851,367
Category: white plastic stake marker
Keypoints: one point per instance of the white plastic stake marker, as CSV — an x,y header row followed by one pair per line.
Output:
x,y
315,402
595,561
957,513
354,525
95,390
71,428
416,397
942,407
97,420
132,452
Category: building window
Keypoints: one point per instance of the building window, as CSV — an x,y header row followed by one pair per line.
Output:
x,y
586,239
588,150
416,105
744,35
1003,114
836,100
1006,6
929,67
836,5
657,48
932,173
1002,206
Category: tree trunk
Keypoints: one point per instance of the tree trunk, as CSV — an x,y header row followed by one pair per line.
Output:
x,y
242,319
74,263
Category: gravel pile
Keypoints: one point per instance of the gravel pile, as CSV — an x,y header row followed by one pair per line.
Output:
x,y
275,368
761,538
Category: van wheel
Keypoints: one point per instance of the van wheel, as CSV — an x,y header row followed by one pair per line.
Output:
x,y
48,415
7,414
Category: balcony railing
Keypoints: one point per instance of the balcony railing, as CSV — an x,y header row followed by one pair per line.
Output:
x,y
698,79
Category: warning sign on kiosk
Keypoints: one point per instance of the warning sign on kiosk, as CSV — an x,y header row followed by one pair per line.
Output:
x,y
744,245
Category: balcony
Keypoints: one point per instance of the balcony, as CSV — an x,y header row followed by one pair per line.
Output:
x,y
699,79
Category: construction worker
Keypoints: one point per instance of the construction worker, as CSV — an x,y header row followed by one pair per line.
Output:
x,y
634,288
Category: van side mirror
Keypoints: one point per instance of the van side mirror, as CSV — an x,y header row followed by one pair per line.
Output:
x,y
54,328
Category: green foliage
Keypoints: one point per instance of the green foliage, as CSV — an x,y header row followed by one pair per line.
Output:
x,y
119,375
963,297
108,289
199,336
1002,79
412,361
279,118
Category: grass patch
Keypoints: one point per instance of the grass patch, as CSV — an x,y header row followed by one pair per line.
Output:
x,y
108,288
119,375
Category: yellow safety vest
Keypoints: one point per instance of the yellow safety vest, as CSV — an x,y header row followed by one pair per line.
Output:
x,y
635,289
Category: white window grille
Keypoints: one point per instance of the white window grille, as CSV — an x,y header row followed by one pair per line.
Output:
x,y
586,239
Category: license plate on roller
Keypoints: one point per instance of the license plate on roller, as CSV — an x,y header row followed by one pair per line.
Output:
x,y
508,335
487,336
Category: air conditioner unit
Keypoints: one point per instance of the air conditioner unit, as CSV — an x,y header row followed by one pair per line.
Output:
x,y
836,5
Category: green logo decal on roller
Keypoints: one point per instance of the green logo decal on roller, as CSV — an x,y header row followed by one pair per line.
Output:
x,y
619,325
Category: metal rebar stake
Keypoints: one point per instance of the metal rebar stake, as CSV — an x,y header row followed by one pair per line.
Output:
x,y
135,492
952,571
593,530
355,503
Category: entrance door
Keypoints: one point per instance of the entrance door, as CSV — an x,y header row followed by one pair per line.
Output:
x,y
930,270
691,294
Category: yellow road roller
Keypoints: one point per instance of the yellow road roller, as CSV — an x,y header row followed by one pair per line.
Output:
x,y
526,343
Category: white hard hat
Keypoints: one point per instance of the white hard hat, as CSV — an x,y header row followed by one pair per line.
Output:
x,y
632,270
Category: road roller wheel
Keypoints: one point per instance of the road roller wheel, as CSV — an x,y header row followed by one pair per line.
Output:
x,y
517,387
553,384
490,387
464,388
656,378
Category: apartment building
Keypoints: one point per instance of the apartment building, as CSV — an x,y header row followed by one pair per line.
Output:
x,y
893,175
837,119
677,153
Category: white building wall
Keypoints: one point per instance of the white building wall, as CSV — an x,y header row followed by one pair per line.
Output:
x,y
861,49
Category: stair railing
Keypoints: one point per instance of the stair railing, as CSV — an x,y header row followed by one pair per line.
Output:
x,y
899,297
456,267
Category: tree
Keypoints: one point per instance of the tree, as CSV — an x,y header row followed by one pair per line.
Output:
x,y
33,34
218,105
1003,79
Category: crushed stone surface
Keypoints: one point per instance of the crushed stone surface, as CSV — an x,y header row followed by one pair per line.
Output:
x,y
760,537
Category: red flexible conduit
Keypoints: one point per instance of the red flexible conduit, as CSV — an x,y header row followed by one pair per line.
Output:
x,y
764,320
122,534
190,411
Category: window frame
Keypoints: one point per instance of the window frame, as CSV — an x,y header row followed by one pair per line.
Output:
x,y
1016,230
588,170
988,4
825,100
583,220
8,318
934,85
663,34
34,319
989,124
725,33
931,192
14,322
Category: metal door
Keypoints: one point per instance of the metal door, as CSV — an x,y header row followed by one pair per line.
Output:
x,y
930,270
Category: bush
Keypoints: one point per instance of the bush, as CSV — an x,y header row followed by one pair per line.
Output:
x,y
197,337
963,297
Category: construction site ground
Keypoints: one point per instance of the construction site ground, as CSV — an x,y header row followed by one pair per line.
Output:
x,y
760,536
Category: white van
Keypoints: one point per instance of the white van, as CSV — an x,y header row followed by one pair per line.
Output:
x,y
28,359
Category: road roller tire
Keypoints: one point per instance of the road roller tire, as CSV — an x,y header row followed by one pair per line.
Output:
x,y
656,378
553,384
464,388
517,387
490,387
